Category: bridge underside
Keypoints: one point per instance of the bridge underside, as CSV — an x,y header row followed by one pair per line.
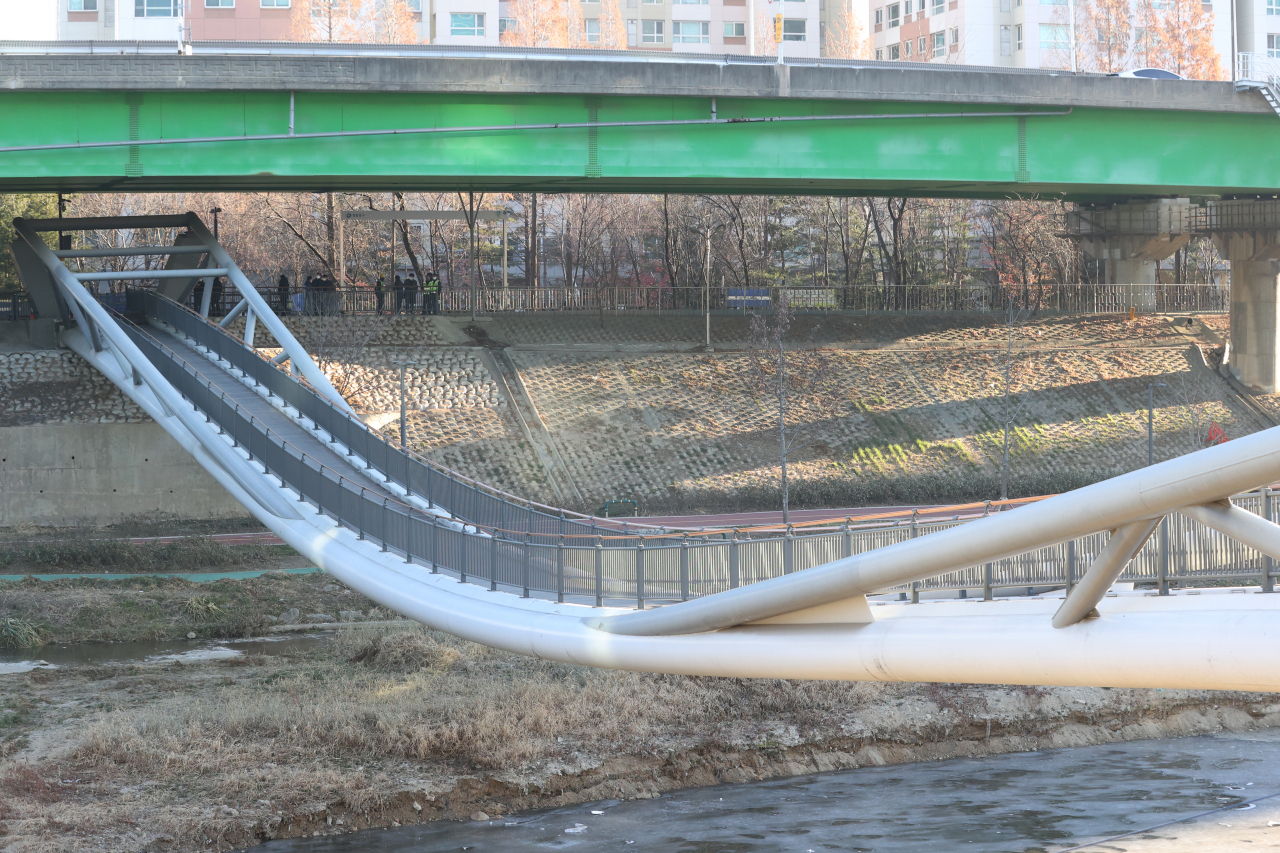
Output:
x,y
505,143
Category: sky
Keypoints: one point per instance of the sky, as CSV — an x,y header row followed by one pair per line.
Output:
x,y
28,20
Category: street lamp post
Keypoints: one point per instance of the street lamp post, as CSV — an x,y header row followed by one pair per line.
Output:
x,y
215,211
402,365
1151,408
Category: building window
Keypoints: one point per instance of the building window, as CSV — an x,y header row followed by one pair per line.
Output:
x,y
414,5
1273,7
735,29
895,52
284,4
895,14
507,25
219,4
156,8
690,32
652,31
653,1
1054,37
938,6
84,5
1017,37
879,17
955,36
633,30
879,54
1006,41
793,29
906,49
1273,45
590,29
466,25
939,43
678,2
922,47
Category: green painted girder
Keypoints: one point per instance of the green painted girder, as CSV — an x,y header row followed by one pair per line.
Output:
x,y
1090,154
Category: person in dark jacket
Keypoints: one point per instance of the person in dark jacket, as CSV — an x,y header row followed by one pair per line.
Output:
x,y
379,291
282,294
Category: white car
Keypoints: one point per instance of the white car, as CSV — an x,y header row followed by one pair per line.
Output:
x,y
1150,74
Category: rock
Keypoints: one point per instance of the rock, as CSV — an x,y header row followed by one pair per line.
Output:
x,y
330,587
272,619
349,615
479,816
320,617
191,635
417,807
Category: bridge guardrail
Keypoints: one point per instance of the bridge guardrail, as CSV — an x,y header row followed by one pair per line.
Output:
x,y
605,567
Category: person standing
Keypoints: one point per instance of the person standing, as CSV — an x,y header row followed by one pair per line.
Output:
x,y
282,294
398,288
432,289
378,290
411,291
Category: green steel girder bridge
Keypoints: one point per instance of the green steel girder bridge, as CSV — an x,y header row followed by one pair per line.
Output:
x,y
276,118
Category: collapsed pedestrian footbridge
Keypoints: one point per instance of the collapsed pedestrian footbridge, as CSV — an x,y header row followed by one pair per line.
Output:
x,y
495,569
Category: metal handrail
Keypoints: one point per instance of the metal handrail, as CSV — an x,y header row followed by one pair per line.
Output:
x,y
651,569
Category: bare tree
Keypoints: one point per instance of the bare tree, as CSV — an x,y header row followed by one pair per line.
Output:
x,y
1013,385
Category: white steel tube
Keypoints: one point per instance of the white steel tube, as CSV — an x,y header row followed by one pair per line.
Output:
x,y
299,358
1107,566
135,275
253,482
1214,473
1241,525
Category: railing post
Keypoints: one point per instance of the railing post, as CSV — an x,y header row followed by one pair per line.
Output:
x,y
525,593
684,567
734,578
599,571
560,569
1071,566
1268,563
915,531
640,574
847,537
493,561
1163,568
986,581
384,522
788,553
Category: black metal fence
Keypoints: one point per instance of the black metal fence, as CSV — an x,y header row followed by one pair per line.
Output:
x,y
858,299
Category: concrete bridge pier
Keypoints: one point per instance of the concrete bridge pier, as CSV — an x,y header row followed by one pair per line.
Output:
x,y
1254,359
1131,240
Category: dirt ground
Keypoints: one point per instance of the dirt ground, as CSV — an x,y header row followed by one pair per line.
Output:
x,y
386,727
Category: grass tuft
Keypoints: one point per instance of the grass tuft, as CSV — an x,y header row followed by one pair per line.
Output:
x,y
20,634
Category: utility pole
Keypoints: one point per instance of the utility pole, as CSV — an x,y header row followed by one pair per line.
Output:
x,y
1151,408
402,365
215,213
706,291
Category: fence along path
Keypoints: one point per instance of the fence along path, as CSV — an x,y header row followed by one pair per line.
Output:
x,y
437,519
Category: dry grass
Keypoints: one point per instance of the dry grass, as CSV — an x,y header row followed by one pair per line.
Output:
x,y
420,695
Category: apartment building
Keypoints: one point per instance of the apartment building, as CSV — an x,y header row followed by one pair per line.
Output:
x,y
695,26
158,20
1037,33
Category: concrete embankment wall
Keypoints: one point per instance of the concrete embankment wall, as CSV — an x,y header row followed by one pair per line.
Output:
x,y
75,450
97,474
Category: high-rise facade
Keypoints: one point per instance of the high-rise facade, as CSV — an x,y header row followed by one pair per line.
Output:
x,y
1053,34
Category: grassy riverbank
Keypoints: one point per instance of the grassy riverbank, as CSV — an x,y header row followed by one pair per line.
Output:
x,y
386,726
161,608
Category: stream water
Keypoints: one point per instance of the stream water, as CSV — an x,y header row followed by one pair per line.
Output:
x,y
1037,801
